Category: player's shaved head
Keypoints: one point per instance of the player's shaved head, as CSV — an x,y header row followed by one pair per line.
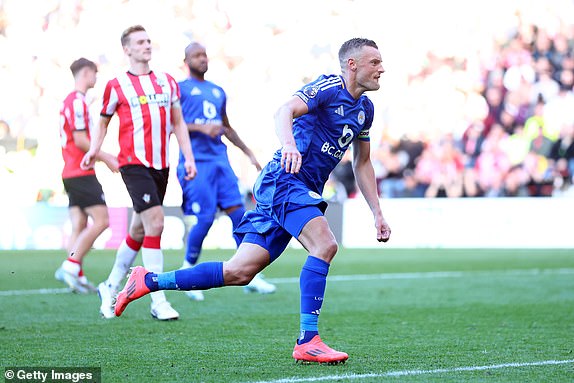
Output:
x,y
351,47
192,47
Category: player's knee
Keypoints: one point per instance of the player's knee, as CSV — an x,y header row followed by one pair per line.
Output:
x,y
236,276
102,224
328,250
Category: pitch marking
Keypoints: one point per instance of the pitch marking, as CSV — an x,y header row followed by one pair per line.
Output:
x,y
420,372
360,277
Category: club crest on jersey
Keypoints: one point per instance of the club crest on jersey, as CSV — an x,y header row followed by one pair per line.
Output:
x,y
312,194
310,91
216,92
361,117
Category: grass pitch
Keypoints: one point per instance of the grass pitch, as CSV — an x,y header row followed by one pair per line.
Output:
x,y
402,315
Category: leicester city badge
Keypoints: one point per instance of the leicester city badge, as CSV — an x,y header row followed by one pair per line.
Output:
x,y
361,117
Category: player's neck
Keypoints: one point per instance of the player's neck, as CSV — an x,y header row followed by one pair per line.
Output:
x,y
139,68
197,77
353,87
81,87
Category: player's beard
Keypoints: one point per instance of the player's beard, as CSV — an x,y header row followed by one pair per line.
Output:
x,y
197,71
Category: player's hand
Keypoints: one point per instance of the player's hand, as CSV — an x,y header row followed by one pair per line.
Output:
x,y
190,170
88,161
383,229
255,163
291,158
112,164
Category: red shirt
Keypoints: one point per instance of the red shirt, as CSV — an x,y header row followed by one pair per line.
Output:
x,y
143,104
74,116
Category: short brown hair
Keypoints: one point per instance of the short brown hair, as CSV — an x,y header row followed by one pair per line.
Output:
x,y
81,63
126,34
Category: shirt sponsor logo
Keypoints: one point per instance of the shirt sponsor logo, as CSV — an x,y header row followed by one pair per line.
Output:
x,y
332,150
161,99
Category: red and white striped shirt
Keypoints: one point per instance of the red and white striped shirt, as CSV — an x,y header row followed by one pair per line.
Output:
x,y
143,104
74,116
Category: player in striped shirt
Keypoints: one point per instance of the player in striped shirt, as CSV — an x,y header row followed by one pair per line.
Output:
x,y
85,194
315,127
147,104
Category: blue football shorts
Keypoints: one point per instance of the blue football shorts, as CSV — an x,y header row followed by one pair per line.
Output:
x,y
215,186
276,238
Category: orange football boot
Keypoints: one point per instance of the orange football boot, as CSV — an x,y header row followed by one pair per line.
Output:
x,y
135,288
317,351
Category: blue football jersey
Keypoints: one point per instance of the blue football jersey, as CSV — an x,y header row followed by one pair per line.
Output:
x,y
323,135
203,102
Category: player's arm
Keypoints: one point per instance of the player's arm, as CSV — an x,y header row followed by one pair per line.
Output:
x,y
212,130
96,142
180,130
234,138
82,141
365,177
290,156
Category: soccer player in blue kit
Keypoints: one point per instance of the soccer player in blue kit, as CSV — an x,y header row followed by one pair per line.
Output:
x,y
204,108
315,128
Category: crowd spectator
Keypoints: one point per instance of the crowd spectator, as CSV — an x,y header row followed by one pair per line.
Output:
x,y
511,66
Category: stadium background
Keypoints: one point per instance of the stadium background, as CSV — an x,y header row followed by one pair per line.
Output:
x,y
440,58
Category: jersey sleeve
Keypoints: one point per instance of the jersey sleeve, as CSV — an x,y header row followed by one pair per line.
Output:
x,y
320,91
175,92
110,99
364,134
80,120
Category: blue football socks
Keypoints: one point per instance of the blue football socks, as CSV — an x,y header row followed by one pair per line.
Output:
x,y
200,277
312,282
195,239
236,217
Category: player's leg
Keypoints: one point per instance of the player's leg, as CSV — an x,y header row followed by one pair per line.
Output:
x,y
318,239
79,221
87,237
125,256
152,258
70,269
199,206
248,260
230,200
86,198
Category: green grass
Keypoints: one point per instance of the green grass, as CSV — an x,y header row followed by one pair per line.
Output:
x,y
505,306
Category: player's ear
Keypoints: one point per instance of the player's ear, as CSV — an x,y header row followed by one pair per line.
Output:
x,y
352,64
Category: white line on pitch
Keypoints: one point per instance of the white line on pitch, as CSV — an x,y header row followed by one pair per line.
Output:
x,y
360,277
419,372
434,274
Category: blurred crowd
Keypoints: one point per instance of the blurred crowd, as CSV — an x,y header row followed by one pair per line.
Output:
x,y
516,137
477,103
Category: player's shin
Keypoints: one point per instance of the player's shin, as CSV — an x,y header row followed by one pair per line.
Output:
x,y
312,282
